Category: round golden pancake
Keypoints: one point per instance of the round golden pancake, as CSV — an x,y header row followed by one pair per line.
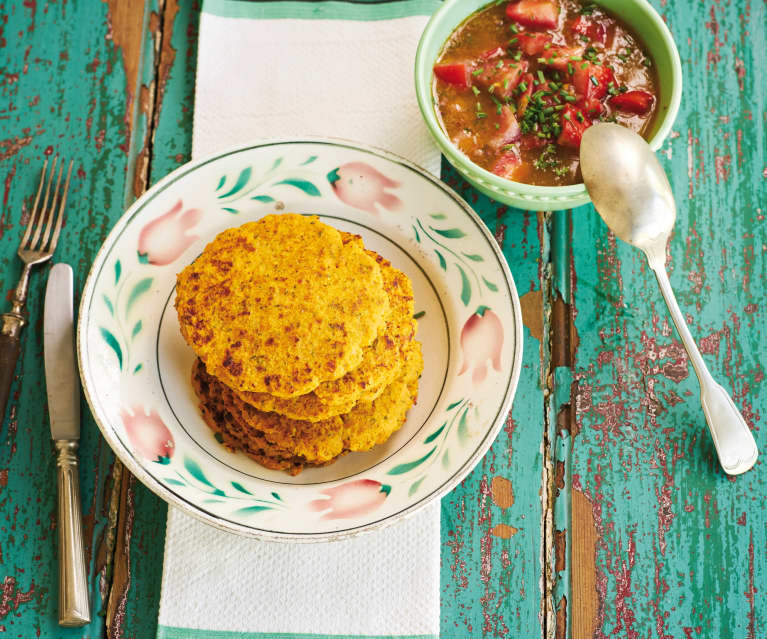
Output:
x,y
281,305
380,365
294,443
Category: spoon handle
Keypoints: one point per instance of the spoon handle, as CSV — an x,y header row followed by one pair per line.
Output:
x,y
733,440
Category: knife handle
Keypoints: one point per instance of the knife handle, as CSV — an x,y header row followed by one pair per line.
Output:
x,y
10,347
74,606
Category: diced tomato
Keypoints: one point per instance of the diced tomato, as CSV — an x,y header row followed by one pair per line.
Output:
x,y
532,43
456,73
492,53
638,102
591,106
594,30
531,141
524,98
536,14
501,77
573,123
508,129
559,57
506,164
592,81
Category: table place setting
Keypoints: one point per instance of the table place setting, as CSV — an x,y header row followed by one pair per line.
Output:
x,y
290,373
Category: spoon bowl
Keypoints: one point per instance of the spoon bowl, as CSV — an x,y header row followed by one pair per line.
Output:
x,y
636,201
632,194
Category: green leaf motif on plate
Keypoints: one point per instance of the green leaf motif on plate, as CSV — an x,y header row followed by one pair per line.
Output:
x,y
463,426
442,262
230,210
249,510
263,198
277,163
490,285
138,368
141,287
414,486
174,482
136,329
465,286
408,466
221,182
446,459
438,216
193,468
143,258
474,257
451,234
118,271
108,303
242,179
238,486
276,496
303,185
417,237
309,160
454,404
435,434
112,342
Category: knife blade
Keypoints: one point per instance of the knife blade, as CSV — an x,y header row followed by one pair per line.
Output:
x,y
62,380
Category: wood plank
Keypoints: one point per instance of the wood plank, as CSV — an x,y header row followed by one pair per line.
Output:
x,y
680,548
491,523
70,83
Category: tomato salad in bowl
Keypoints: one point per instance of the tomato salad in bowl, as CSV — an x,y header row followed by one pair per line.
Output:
x,y
518,82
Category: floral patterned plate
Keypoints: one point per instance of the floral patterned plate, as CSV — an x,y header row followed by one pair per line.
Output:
x,y
136,367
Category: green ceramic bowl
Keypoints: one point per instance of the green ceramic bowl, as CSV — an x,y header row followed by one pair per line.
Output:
x,y
637,13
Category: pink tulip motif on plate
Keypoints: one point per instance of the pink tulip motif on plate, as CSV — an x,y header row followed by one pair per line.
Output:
x,y
361,186
165,238
481,343
148,434
352,499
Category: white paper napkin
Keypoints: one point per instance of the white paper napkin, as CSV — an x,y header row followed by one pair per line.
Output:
x,y
281,70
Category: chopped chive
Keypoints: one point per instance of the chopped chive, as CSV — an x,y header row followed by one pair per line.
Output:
x,y
506,84
585,65
570,68
541,79
522,86
497,126
476,72
514,40
566,116
476,90
513,28
569,98
507,147
542,60
559,107
499,65
594,81
517,55
580,117
576,58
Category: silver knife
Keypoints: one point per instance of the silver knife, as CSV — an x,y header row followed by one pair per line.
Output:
x,y
63,387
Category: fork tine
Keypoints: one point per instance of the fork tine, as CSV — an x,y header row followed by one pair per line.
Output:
x,y
45,210
60,216
31,221
52,212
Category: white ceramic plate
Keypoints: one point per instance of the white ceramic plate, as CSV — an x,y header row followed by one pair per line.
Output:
x,y
135,366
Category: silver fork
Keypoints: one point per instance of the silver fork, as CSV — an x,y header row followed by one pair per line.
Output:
x,y
37,246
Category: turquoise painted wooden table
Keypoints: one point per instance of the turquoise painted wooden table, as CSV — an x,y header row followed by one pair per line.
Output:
x,y
600,509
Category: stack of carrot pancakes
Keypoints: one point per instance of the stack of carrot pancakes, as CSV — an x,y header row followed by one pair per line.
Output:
x,y
305,341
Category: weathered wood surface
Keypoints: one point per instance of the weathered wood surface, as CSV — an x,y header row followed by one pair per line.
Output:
x,y
113,85
662,542
604,468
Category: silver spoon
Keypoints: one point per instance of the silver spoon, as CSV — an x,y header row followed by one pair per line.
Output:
x,y
631,192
